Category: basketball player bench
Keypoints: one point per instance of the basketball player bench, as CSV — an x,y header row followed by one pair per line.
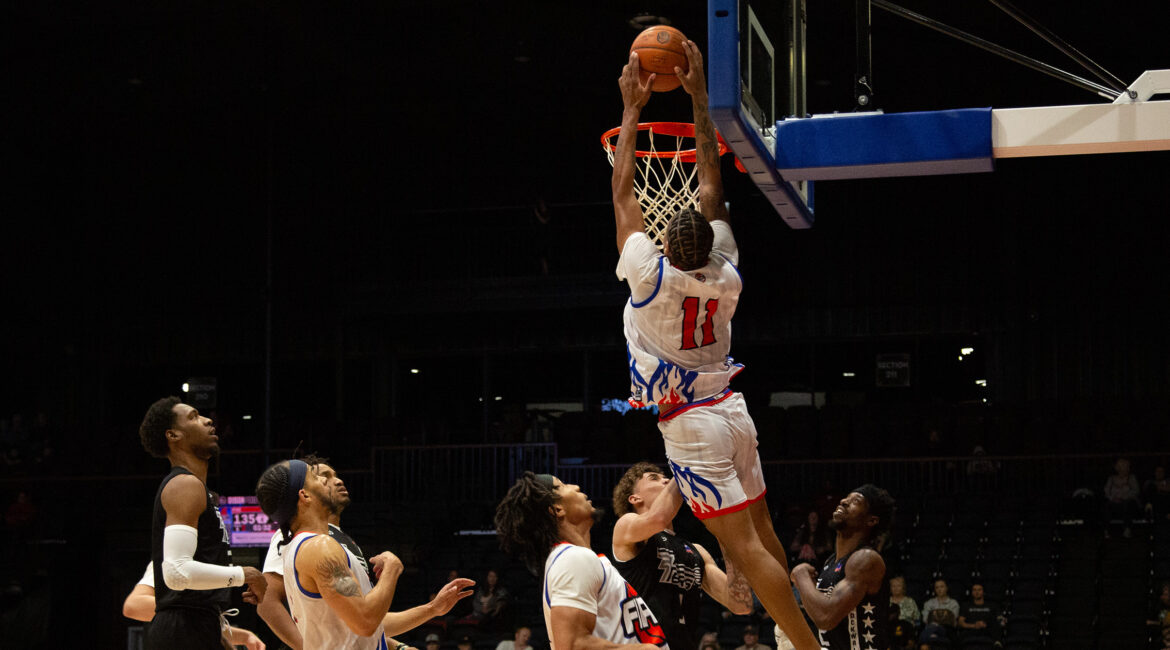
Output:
x,y
785,156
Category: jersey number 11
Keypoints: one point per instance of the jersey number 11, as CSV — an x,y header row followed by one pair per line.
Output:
x,y
690,307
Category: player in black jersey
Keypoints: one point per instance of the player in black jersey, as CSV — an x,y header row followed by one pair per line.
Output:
x,y
850,599
189,542
666,570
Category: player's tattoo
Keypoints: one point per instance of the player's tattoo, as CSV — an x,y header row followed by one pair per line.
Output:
x,y
336,574
738,588
705,138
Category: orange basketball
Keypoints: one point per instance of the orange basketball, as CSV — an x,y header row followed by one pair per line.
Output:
x,y
660,49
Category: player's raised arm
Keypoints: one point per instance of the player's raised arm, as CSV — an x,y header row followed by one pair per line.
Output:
x,y
323,568
633,528
706,142
627,212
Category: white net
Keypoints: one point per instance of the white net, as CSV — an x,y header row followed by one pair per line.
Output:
x,y
664,178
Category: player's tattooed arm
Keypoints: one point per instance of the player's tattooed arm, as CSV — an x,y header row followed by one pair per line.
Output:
x,y
730,588
738,589
338,576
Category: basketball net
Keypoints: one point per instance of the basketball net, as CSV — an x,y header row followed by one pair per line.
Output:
x,y
665,178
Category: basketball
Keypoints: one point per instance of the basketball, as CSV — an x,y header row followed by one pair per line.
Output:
x,y
660,49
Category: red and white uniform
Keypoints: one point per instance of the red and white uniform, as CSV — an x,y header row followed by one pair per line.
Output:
x,y
575,576
678,336
319,626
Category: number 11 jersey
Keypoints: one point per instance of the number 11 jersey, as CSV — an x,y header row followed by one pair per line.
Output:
x,y
678,323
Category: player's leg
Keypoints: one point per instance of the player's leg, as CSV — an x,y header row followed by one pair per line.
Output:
x,y
702,445
749,470
768,578
762,522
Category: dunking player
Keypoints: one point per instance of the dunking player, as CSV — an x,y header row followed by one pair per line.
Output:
x,y
678,334
587,605
273,610
189,542
332,601
666,570
850,600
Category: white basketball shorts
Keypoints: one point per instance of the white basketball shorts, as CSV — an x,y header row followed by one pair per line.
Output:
x,y
711,446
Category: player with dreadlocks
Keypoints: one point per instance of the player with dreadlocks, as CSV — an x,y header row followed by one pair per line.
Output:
x,y
849,601
678,336
587,605
329,594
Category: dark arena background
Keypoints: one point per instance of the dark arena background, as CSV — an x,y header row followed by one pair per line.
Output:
x,y
382,231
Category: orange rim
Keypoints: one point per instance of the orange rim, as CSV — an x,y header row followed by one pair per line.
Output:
x,y
674,129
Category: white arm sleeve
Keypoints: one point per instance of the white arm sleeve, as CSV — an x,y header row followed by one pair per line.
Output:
x,y
181,572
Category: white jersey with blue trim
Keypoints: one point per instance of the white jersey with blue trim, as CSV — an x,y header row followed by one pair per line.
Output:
x,y
319,626
678,323
575,576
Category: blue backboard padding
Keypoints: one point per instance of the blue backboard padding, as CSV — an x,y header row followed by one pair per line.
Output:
x,y
881,139
725,102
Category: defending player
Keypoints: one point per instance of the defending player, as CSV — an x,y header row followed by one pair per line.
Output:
x,y
678,334
587,605
189,542
665,569
273,610
332,601
850,601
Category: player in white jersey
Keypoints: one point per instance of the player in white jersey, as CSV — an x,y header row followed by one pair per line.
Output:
x,y
587,604
331,599
678,335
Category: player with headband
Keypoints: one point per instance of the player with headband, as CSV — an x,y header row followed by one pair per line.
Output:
x,y
330,597
189,542
678,335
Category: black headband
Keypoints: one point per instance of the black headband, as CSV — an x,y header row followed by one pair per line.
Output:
x,y
288,501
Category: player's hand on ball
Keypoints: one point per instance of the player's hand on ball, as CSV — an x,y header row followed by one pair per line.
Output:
x,y
635,94
451,593
383,561
693,80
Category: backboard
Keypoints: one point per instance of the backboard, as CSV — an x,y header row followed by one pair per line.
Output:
x,y
756,76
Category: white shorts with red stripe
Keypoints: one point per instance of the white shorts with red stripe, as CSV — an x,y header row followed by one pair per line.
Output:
x,y
711,445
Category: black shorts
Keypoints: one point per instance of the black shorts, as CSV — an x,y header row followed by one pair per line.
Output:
x,y
183,628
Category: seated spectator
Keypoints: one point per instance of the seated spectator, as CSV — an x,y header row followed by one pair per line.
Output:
x,y
519,640
432,641
1121,497
1157,494
751,639
488,604
464,643
709,641
905,614
940,615
979,618
811,543
1160,617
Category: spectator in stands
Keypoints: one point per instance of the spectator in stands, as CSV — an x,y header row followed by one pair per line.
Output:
x,y
1157,494
751,639
979,465
1121,497
709,641
489,602
432,641
519,640
980,618
904,627
939,617
811,543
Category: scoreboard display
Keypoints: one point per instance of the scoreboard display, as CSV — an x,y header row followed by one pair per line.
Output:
x,y
246,523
